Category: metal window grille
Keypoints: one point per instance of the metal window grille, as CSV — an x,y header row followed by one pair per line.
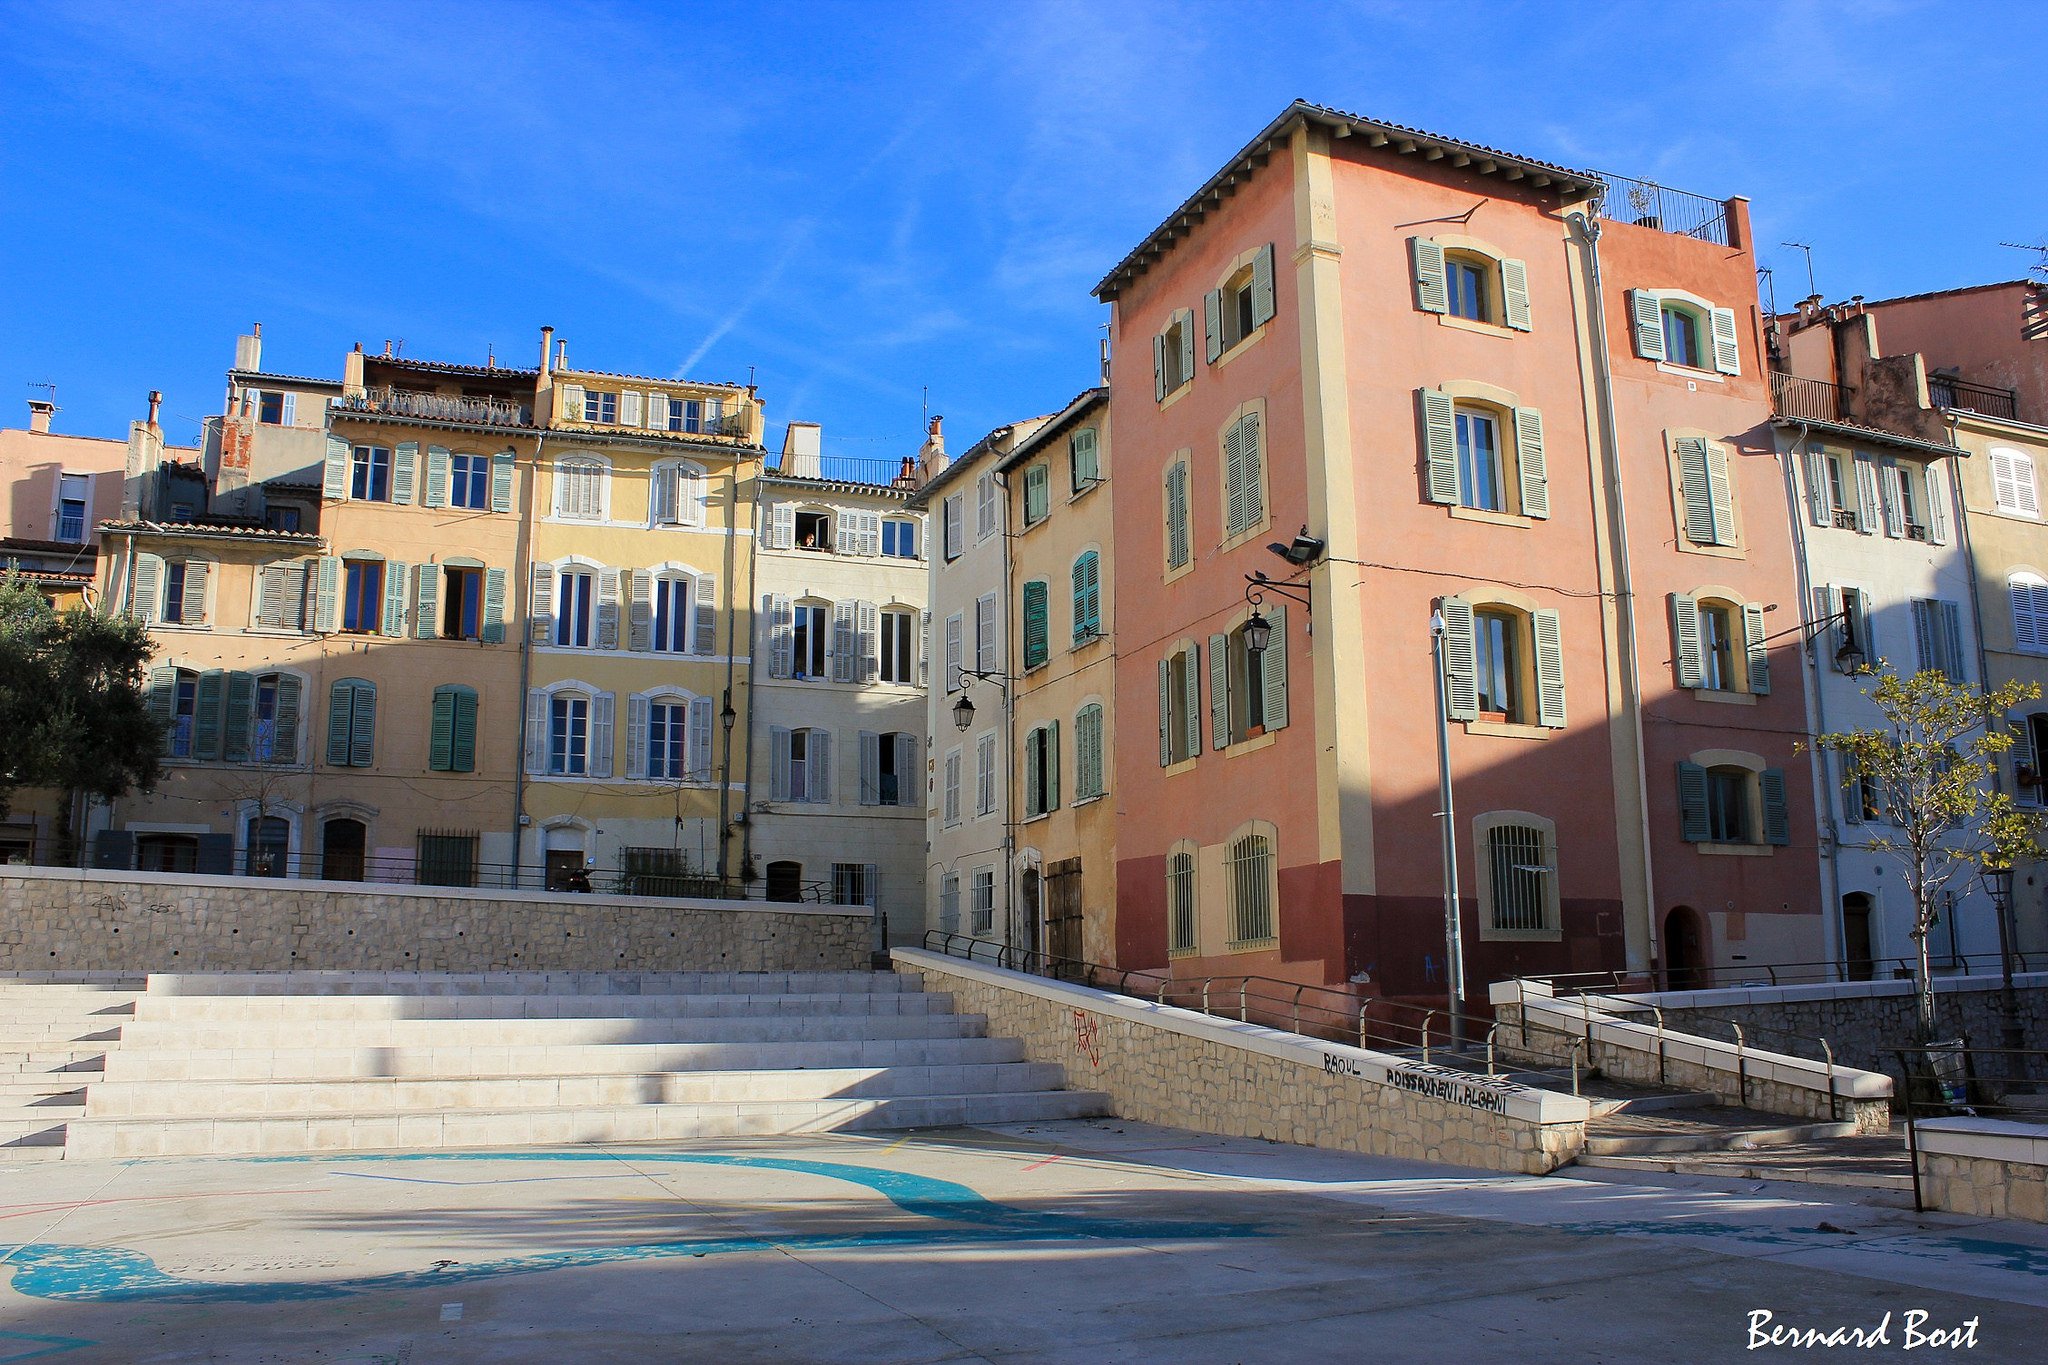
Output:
x,y
849,884
949,904
446,859
1180,903
1515,864
1251,890
983,904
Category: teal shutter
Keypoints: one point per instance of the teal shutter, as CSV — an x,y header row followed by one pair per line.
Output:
x,y
1692,803
362,730
1037,638
1694,491
1219,691
1529,455
1439,446
1263,302
1777,819
1034,775
241,711
1514,294
1727,343
206,724
1757,654
1428,260
494,607
284,746
340,707
1087,597
1212,313
1685,630
435,493
334,479
1087,459
1165,709
405,463
1646,316
463,758
395,577
1461,660
501,482
1549,633
1274,670
426,613
441,732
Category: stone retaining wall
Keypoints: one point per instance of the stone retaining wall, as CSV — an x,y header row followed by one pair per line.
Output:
x,y
1159,1064
1990,1168
66,920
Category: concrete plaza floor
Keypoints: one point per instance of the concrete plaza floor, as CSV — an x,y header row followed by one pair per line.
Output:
x,y
1095,1240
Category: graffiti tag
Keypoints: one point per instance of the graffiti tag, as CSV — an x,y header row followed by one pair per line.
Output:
x,y
1087,1040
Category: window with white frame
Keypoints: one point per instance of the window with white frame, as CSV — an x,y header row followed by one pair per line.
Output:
x,y
1483,455
579,489
370,473
1502,663
813,530
674,613
675,494
668,739
899,647
469,481
899,538
889,770
74,492
568,734
600,407
1465,282
575,606
274,409
2012,482
982,900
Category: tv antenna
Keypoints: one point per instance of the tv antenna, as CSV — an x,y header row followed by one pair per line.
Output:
x,y
1811,288
2040,249
49,388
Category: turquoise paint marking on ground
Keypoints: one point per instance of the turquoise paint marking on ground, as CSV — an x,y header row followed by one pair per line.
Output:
x,y
119,1275
2010,1256
44,1346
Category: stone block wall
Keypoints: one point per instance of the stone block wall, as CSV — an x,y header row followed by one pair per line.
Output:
x,y
1175,1067
66,920
1986,1168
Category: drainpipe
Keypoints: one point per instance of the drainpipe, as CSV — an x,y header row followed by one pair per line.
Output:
x,y
1009,754
753,655
1817,715
524,587
1587,228
732,516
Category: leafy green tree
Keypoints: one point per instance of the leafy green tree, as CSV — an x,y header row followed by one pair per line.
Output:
x,y
72,711
1932,766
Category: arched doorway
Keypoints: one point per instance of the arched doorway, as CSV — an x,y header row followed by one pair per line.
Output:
x,y
1685,950
267,847
785,881
342,842
565,861
1857,963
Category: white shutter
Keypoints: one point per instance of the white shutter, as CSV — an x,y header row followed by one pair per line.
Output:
x,y
1819,497
818,767
1273,665
987,641
870,768
1727,342
781,637
844,643
698,752
1514,294
657,412
1262,286
1427,262
704,605
426,614
637,717
541,615
536,731
291,409
1757,653
601,735
778,749
607,609
1219,691
909,780
629,409
405,463
1889,479
395,584
1937,506
847,538
569,403
327,594
868,622
782,534
192,606
1646,318
953,652
1685,628
147,588
434,493
640,613
1212,316
1866,496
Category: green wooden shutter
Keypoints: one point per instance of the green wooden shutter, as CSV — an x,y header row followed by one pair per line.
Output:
x,y
1263,300
1439,446
1694,491
1034,776
340,707
462,759
1514,294
441,732
1529,455
435,493
362,728
426,614
1165,709
1087,459
1087,598
494,607
1727,344
1721,494
1191,684
1052,765
405,462
206,725
1685,629
1777,819
1757,654
1037,637
240,713
1428,260
501,482
284,746
1212,313
1646,314
1549,633
1461,660
1219,691
1692,803
334,478
395,576
1274,667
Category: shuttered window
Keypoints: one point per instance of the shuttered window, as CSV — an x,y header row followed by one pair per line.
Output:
x,y
1085,460
1088,762
451,739
2029,592
351,723
1037,634
1244,475
1042,769
1037,493
1705,491
1087,597
2012,482
1176,517
1938,633
985,505
950,804
579,490
951,529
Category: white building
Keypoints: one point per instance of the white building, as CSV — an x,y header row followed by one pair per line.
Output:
x,y
968,827
1886,577
836,774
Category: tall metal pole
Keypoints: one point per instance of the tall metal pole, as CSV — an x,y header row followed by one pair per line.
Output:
x,y
1454,948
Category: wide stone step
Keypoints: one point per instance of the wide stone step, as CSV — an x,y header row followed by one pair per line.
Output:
x,y
42,1130
170,1099
33,1060
523,983
283,1035
600,1059
111,1138
29,1037
1716,1140
186,1008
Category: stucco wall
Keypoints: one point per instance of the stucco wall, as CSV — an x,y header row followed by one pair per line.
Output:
x,y
60,919
1170,1066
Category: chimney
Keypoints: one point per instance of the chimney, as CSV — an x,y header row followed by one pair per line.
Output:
x,y
1103,346
801,446
547,344
562,354
39,413
931,460
156,407
352,372
249,350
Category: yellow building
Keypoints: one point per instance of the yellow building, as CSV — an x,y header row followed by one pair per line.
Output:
x,y
1063,681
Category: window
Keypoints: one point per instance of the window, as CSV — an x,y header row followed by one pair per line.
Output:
x,y
600,407
1037,628
985,775
1721,645
1497,638
949,903
184,713
1177,535
1726,803
853,883
276,409
982,900
273,720
988,642
1085,459
174,593
1180,725
803,765
1173,356
1717,648
899,540
575,594
1249,874
1478,434
72,496
451,736
1042,769
951,802
667,740
808,640
1244,475
813,531
899,647
266,846
955,658
362,596
1037,493
469,482
282,517
2012,483
351,723
1705,492
1180,899
446,859
674,612
696,415
1241,306
370,474
579,489
1862,794
1683,331
2029,593
1248,687
1087,575
1938,632
889,773
1519,877
1728,806
1088,753
1502,664
675,495
569,735
950,522
1470,284
1465,289
462,603
1681,335
2030,748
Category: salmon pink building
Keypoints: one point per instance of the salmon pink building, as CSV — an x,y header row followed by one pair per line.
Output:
x,y
1434,387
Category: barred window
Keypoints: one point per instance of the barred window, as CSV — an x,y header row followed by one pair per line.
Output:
x,y
949,903
984,903
1180,901
1251,891
1516,864
446,859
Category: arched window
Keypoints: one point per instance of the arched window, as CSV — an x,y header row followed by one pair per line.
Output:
x,y
1470,282
674,611
1720,644
1180,898
1087,576
569,734
342,845
1726,797
580,488
576,601
668,737
1249,874
1683,327
785,881
267,846
1468,286
1503,663
2029,593
1486,454
1518,885
569,731
2012,482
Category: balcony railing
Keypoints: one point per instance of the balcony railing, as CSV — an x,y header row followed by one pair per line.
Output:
x,y
1814,399
1946,392
887,473
1645,203
439,407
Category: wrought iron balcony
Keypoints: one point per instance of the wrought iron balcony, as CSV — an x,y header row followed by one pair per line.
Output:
x,y
1645,203
885,472
1814,399
439,407
1949,392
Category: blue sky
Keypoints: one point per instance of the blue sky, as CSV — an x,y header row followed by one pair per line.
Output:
x,y
860,203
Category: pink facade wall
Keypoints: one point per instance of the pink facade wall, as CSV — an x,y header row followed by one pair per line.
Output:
x,y
31,463
1996,335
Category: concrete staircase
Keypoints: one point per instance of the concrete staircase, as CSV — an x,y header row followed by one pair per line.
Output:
x,y
311,1061
55,1034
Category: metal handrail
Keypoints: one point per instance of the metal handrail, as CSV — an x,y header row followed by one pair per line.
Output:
x,y
1645,203
1946,392
1979,1091
1815,399
1813,972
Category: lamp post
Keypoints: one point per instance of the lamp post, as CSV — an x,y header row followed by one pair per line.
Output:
x,y
1454,946
726,716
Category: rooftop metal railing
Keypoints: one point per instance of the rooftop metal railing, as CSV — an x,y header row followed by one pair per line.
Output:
x,y
1948,392
1814,399
887,473
1645,203
438,407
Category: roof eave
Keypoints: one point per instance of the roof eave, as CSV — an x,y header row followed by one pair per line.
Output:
x,y
1853,431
